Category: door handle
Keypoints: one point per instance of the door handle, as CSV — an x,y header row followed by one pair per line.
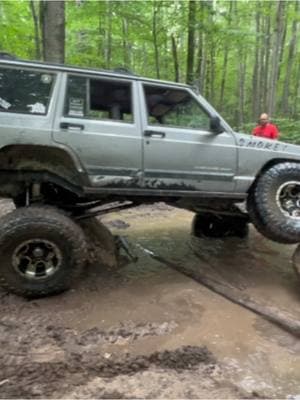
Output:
x,y
154,134
67,125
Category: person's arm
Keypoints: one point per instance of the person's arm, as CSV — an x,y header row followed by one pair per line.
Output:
x,y
254,131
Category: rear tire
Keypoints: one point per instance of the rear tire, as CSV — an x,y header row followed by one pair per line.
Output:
x,y
219,226
42,251
20,200
274,203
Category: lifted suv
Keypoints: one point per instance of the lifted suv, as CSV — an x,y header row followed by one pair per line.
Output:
x,y
76,138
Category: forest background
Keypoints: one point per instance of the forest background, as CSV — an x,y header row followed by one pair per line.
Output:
x,y
243,56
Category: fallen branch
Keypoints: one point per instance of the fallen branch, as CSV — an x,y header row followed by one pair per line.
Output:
x,y
272,314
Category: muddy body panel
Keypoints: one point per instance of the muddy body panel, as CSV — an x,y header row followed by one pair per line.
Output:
x,y
102,133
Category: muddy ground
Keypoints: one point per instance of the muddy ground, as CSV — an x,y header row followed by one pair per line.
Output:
x,y
145,330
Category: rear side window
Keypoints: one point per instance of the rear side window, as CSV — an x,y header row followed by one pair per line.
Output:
x,y
24,91
99,99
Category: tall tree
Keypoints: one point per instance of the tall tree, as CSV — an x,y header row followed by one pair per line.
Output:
x,y
53,30
256,99
126,47
290,61
225,59
278,33
267,46
200,57
155,38
191,42
175,57
36,23
109,33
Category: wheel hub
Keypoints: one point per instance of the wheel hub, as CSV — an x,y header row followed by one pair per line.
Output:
x,y
288,199
38,252
37,258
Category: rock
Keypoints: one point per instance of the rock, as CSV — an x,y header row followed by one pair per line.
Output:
x,y
296,261
101,243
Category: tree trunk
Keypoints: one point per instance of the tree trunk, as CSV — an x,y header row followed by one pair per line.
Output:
x,y
155,42
225,60
212,73
108,34
101,53
278,33
207,76
191,42
53,30
241,88
261,77
282,47
200,61
201,54
267,46
290,61
296,94
126,49
256,108
175,57
37,38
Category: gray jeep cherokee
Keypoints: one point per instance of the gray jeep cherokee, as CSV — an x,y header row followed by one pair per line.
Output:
x,y
74,141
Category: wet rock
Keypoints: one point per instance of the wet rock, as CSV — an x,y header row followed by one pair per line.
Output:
x,y
101,243
118,223
296,261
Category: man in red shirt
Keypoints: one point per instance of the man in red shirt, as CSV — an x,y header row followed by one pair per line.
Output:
x,y
265,128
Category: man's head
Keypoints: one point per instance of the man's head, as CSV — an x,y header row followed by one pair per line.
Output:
x,y
263,119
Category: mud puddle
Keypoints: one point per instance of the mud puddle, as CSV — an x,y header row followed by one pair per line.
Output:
x,y
52,360
124,333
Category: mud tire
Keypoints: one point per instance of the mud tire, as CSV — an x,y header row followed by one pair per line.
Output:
x,y
42,223
265,213
219,226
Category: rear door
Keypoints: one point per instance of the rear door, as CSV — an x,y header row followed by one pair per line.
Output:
x,y
180,151
98,120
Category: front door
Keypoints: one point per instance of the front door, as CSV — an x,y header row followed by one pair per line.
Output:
x,y
99,123
180,151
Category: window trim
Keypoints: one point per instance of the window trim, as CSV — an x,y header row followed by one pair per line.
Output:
x,y
42,72
102,78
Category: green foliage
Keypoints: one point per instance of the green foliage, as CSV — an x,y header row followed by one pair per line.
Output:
x,y
16,28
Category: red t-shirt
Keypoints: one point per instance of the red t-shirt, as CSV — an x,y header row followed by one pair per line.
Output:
x,y
268,131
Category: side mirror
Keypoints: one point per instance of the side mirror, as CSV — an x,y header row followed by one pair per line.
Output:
x,y
215,125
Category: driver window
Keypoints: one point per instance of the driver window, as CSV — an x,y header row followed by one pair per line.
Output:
x,y
175,108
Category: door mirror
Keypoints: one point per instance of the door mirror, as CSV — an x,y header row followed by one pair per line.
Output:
x,y
215,125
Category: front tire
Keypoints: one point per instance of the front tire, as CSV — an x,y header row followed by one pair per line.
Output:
x,y
274,203
42,251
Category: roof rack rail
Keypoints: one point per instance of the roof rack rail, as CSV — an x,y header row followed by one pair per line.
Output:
x,y
123,70
7,56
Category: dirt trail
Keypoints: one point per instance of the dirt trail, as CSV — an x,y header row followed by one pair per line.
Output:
x,y
147,331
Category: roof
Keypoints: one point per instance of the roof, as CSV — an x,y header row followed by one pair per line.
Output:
x,y
75,69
